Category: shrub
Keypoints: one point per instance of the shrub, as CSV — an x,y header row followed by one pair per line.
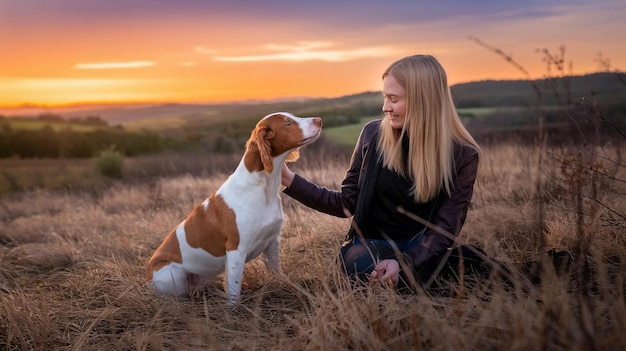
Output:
x,y
110,163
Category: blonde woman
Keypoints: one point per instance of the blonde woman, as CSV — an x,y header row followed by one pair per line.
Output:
x,y
419,159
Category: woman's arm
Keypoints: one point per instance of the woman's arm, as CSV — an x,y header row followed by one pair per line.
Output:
x,y
337,203
451,214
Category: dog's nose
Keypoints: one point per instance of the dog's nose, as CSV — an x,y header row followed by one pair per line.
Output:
x,y
317,121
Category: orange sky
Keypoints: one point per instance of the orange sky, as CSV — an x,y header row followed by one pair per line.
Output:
x,y
82,51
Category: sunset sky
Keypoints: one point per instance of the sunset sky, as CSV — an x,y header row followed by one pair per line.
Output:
x,y
55,52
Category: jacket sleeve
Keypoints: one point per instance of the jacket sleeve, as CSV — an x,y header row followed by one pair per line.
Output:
x,y
451,214
337,203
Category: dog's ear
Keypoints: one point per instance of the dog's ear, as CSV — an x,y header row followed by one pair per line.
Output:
x,y
263,136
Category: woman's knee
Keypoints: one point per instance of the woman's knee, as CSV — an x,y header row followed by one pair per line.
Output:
x,y
358,260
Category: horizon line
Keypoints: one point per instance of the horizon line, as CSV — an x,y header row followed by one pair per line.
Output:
x,y
79,104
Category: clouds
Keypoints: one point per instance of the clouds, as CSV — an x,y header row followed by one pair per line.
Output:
x,y
309,51
115,65
248,49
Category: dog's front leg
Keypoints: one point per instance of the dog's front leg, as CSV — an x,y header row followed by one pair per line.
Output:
x,y
271,256
234,273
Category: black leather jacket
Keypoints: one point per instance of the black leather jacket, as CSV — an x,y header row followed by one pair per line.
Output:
x,y
357,190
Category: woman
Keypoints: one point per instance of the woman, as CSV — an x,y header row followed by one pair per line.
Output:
x,y
419,159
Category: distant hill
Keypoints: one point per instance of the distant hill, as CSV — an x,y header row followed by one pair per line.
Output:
x,y
491,110
607,88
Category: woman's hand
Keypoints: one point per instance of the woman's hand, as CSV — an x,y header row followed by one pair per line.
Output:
x,y
386,272
286,176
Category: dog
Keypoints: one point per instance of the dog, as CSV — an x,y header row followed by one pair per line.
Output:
x,y
240,220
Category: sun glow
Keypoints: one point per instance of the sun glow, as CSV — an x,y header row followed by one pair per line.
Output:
x,y
93,51
62,91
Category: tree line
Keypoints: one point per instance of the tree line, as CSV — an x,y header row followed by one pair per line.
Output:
x,y
49,142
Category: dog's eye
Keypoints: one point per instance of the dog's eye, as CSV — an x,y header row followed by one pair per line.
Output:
x,y
288,122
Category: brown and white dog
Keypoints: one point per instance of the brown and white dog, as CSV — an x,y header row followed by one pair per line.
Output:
x,y
240,220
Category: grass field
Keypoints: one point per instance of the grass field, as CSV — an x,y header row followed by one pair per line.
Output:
x,y
347,135
19,175
476,111
72,269
29,174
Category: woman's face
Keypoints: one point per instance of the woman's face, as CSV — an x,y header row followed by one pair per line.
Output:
x,y
394,105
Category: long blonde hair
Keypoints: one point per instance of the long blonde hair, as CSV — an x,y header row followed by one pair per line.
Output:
x,y
432,125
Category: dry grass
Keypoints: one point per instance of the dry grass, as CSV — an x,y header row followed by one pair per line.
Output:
x,y
72,274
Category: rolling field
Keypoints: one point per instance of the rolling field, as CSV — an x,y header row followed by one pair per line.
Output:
x,y
74,244
346,135
72,268
29,174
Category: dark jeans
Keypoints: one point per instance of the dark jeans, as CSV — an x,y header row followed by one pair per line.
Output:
x,y
360,256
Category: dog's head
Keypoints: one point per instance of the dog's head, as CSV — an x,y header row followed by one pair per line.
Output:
x,y
279,133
